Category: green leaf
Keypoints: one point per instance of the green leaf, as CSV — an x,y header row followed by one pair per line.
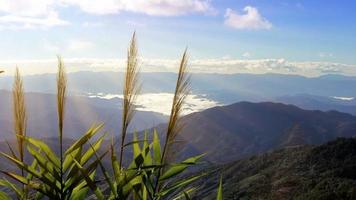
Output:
x,y
146,151
4,196
51,183
8,184
179,184
135,146
180,167
156,148
90,152
87,136
46,149
45,164
219,195
90,182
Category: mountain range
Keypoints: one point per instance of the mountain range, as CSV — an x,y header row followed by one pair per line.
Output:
x,y
224,88
228,133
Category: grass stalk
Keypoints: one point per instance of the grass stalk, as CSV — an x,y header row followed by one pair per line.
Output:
x,y
130,92
180,94
19,109
61,100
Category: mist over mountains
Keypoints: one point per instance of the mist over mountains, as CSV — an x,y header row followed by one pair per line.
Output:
x,y
81,113
224,88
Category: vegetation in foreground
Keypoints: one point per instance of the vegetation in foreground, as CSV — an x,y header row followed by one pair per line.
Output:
x,y
152,173
325,172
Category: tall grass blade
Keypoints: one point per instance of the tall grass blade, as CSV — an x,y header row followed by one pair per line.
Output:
x,y
219,195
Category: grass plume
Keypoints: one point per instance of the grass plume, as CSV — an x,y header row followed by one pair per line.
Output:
x,y
130,91
61,101
19,109
61,94
180,94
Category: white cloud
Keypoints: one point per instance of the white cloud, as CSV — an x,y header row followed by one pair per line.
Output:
x,y
168,7
246,55
325,54
152,7
29,8
77,45
92,24
32,14
15,22
250,20
25,14
96,7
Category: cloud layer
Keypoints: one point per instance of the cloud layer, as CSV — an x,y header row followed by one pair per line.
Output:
x,y
251,19
221,66
29,14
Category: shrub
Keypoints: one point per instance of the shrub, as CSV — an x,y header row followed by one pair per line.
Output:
x,y
151,174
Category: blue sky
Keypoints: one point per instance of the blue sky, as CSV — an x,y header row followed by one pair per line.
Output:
x,y
293,31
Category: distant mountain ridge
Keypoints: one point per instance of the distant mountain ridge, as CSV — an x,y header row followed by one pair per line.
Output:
x,y
227,133
225,88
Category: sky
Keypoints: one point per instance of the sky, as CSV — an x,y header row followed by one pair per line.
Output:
x,y
306,37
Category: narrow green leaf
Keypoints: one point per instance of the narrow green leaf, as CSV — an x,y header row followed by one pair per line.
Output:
x,y
219,195
87,136
90,182
46,149
4,196
156,148
180,167
178,184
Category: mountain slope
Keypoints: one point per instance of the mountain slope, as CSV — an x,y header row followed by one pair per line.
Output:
x,y
298,173
231,132
81,113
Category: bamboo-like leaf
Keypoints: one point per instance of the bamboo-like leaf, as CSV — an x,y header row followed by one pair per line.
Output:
x,y
219,195
178,185
31,184
90,182
114,163
46,149
28,169
146,151
80,192
3,195
156,148
45,164
135,146
105,172
91,151
4,182
75,179
85,138
180,167
68,163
